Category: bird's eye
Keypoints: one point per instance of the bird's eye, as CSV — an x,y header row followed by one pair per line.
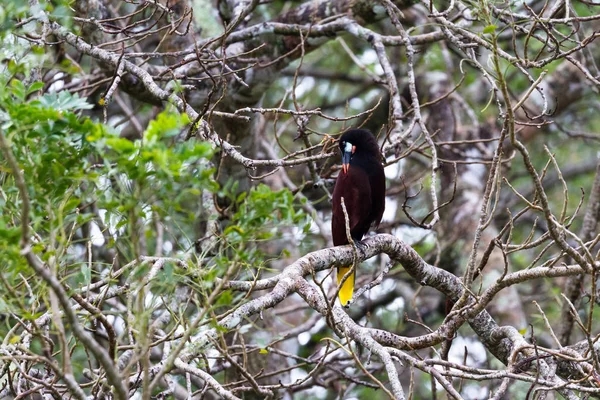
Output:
x,y
347,147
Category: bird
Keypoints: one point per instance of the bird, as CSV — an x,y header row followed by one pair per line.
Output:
x,y
361,183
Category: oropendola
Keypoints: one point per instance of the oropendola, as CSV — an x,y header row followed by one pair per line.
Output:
x,y
362,185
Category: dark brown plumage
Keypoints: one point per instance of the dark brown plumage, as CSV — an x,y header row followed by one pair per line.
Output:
x,y
362,185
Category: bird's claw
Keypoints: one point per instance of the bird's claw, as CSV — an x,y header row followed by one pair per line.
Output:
x,y
362,246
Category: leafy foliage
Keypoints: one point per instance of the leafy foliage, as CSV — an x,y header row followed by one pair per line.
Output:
x,y
82,176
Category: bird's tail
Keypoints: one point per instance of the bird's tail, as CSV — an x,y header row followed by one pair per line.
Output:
x,y
347,288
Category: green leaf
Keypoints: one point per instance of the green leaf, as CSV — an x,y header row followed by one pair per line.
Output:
x,y
233,228
219,328
120,145
72,203
166,124
9,234
15,68
241,197
18,89
489,29
35,86
523,331
225,298
87,274
64,101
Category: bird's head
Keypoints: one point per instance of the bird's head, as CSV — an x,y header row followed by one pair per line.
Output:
x,y
359,143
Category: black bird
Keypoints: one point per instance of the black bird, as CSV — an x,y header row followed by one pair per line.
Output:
x,y
362,185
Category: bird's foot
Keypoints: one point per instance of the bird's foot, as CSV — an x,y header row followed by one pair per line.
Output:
x,y
362,246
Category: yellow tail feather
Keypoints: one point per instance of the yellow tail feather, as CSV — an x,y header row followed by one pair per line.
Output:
x,y
347,288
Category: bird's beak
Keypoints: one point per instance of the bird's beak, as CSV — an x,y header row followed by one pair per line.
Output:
x,y
346,161
346,156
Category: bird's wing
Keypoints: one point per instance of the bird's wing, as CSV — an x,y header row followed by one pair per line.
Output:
x,y
355,188
377,181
